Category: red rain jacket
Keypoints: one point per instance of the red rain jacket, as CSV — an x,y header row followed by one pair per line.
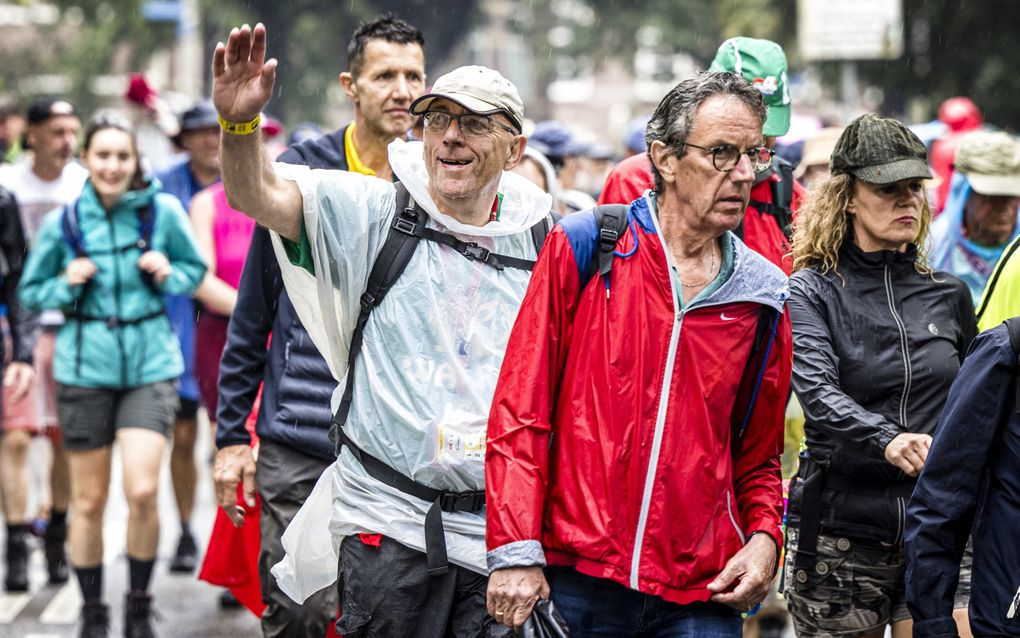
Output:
x,y
610,433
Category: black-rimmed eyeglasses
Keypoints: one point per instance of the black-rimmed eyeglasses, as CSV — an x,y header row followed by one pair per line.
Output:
x,y
470,123
725,158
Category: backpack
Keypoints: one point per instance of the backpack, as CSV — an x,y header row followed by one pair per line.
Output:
x,y
612,223
781,206
408,228
70,228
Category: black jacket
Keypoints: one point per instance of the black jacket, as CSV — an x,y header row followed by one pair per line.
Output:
x,y
976,449
23,324
876,347
298,384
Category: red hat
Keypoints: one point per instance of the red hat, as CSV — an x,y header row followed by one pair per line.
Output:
x,y
139,91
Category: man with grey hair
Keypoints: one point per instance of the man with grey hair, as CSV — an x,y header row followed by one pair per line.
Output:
x,y
419,364
632,465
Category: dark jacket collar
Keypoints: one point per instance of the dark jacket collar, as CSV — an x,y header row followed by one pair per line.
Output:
x,y
851,257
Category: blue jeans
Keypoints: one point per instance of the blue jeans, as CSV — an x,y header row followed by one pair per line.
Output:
x,y
600,607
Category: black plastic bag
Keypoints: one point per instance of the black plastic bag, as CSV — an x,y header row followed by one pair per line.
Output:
x,y
545,622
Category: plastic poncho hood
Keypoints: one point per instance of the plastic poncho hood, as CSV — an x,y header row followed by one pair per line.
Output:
x,y
523,203
431,352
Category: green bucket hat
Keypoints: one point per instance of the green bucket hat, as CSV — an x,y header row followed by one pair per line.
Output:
x,y
763,64
879,150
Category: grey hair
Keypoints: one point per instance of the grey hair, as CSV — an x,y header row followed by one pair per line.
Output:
x,y
674,117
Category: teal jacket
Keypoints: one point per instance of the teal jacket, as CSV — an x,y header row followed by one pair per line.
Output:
x,y
96,352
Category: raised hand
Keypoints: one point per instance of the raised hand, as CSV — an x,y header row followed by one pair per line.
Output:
x,y
242,78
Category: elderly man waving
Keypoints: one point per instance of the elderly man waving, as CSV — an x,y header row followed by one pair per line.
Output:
x,y
420,361
636,428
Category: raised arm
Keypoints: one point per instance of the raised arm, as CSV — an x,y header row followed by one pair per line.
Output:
x,y
242,86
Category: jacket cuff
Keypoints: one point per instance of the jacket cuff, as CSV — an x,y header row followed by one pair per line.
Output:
x,y
227,437
67,294
516,554
777,537
884,439
936,628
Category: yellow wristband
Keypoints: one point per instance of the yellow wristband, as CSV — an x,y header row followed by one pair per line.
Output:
x,y
240,128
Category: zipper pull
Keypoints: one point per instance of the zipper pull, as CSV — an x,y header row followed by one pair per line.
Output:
x,y
1011,613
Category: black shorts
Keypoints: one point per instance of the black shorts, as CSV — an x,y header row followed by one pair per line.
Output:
x,y
90,417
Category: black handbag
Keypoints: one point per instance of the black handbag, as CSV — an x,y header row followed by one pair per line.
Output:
x,y
545,622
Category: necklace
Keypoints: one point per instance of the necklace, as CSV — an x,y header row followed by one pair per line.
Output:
x,y
711,271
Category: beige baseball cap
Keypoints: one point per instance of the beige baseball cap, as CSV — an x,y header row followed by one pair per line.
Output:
x,y
991,162
818,149
478,89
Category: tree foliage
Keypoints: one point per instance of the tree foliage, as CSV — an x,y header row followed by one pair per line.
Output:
x,y
85,43
309,37
954,48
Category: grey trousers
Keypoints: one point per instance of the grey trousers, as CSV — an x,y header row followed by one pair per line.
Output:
x,y
386,592
285,477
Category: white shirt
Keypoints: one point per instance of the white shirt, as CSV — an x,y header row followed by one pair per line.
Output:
x,y
36,197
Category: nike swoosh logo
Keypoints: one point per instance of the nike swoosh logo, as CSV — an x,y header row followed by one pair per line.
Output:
x,y
725,318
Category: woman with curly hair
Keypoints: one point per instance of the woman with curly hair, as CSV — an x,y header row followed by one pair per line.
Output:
x,y
878,339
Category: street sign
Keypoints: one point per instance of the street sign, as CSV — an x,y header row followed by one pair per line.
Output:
x,y
850,30
161,10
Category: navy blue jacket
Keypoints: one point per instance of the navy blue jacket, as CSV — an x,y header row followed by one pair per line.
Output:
x,y
971,479
295,399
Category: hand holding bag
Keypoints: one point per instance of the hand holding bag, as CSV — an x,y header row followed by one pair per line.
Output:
x,y
545,622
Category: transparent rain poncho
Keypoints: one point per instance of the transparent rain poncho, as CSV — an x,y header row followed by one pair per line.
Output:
x,y
428,365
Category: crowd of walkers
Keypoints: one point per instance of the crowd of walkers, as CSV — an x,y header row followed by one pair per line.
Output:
x,y
460,363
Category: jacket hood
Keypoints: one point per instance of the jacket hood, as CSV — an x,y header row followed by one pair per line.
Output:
x,y
947,230
131,200
754,278
523,203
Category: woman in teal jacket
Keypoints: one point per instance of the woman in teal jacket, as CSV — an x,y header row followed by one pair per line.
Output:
x,y
105,260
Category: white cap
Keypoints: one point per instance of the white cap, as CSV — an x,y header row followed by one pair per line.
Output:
x,y
478,89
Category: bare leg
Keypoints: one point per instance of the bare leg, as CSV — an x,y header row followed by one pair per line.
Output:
x,y
183,472
90,486
903,629
142,451
962,619
60,478
14,475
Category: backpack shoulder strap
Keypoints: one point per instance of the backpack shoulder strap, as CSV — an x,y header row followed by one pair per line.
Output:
x,y
610,224
71,230
395,254
754,372
542,228
146,225
781,206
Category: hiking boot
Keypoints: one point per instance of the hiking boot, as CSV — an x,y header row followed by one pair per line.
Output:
x,y
54,540
186,557
228,600
95,620
138,616
17,563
